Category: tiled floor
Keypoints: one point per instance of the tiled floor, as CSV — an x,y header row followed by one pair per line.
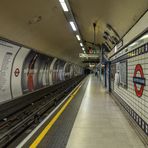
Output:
x,y
100,123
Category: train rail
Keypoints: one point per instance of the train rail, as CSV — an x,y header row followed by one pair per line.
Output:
x,y
17,115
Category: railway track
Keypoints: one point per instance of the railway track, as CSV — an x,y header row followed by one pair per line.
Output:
x,y
13,123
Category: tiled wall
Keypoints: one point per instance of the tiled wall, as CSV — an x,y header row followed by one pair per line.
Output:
x,y
136,106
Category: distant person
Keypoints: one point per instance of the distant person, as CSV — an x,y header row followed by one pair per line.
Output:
x,y
96,73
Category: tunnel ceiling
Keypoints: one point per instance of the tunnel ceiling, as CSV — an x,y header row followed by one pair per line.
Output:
x,y
120,14
41,24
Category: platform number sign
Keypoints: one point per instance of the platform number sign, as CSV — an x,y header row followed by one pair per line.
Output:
x,y
139,80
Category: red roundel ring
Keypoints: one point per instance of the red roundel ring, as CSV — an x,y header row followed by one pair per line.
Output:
x,y
17,72
139,80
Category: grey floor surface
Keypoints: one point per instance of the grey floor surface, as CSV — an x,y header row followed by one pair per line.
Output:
x,y
100,123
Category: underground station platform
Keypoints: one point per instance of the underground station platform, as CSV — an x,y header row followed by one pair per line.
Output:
x,y
74,74
83,119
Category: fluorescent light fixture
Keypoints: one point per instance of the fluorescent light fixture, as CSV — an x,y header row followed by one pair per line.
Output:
x,y
81,44
116,48
133,44
73,26
91,65
78,37
64,6
144,37
83,49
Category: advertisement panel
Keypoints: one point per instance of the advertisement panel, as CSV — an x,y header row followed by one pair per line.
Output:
x,y
35,72
23,70
16,81
52,71
7,55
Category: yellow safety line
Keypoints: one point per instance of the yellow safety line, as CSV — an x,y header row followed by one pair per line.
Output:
x,y
47,128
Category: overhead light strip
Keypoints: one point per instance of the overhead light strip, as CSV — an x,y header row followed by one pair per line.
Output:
x,y
62,1
81,44
64,6
78,37
144,37
73,26
70,18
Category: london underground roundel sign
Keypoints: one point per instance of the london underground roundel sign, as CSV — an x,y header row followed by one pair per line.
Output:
x,y
17,72
139,80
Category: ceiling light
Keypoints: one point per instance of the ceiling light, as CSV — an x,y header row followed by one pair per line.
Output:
x,y
78,37
83,49
116,48
81,44
64,6
133,44
73,26
144,37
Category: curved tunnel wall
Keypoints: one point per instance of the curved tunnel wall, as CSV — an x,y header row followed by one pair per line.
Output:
x,y
22,71
129,81
127,73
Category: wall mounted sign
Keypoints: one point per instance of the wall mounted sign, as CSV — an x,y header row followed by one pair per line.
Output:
x,y
139,80
17,72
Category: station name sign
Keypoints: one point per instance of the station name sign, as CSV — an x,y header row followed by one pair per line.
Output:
x,y
92,56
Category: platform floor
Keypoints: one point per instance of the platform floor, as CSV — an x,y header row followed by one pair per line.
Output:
x,y
91,120
100,123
